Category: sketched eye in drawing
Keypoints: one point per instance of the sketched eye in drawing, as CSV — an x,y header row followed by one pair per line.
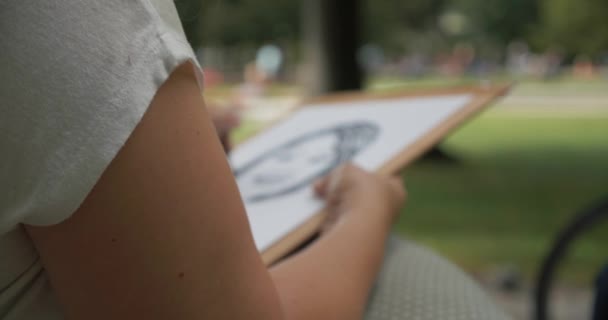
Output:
x,y
298,162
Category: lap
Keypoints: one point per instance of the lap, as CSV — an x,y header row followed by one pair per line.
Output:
x,y
416,283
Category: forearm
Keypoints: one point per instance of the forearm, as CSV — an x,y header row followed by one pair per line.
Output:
x,y
332,278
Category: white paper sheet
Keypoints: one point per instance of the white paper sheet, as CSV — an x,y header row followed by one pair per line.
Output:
x,y
274,169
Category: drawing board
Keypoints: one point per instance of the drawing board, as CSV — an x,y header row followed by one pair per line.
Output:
x,y
275,169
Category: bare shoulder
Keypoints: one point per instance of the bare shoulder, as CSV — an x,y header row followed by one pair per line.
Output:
x,y
163,234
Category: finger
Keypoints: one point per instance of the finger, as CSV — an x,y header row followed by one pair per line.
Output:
x,y
396,181
335,179
320,186
398,186
329,184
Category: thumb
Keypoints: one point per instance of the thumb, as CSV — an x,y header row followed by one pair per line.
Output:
x,y
320,186
329,184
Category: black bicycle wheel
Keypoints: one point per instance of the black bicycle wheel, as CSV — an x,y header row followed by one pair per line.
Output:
x,y
581,223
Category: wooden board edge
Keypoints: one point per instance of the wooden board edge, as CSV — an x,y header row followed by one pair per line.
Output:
x,y
292,240
483,98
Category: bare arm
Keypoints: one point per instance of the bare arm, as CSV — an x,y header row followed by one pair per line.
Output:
x,y
163,234
332,278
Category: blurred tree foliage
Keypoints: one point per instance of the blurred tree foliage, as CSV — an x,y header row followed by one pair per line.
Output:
x,y
576,26
393,24
501,20
249,22
190,12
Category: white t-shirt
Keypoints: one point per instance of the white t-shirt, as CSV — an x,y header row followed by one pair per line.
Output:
x,y
75,79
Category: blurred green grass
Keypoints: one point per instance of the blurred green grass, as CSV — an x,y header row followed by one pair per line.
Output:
x,y
517,181
563,85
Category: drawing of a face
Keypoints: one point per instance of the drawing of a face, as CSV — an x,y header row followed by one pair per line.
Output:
x,y
298,162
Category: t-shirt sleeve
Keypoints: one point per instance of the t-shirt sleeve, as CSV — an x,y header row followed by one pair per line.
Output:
x,y
76,78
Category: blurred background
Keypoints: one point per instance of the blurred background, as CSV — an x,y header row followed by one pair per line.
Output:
x,y
493,196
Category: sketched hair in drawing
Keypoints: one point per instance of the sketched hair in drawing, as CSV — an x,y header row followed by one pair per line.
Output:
x,y
298,162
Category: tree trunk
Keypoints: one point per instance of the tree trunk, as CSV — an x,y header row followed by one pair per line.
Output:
x,y
332,36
